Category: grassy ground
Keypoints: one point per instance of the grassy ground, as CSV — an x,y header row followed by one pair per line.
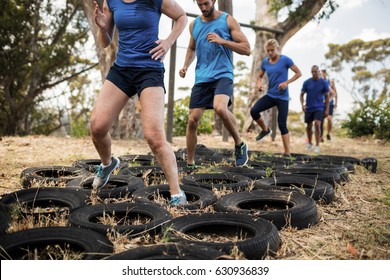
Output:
x,y
355,226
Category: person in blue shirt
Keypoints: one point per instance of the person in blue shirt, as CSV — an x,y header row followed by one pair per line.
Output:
x,y
332,105
276,67
138,69
214,35
316,90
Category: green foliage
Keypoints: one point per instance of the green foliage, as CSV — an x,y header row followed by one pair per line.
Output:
x,y
370,118
40,46
369,63
180,114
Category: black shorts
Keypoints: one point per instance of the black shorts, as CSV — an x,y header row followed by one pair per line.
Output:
x,y
202,95
132,80
312,116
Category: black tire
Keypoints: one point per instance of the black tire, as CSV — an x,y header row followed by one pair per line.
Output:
x,y
252,173
341,169
151,175
5,218
89,244
137,160
90,165
218,181
329,176
197,198
118,186
261,237
282,208
341,160
51,175
57,201
88,217
316,189
170,251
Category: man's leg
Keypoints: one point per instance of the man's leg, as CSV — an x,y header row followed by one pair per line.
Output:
x,y
228,119
152,116
108,105
330,125
309,132
317,131
191,133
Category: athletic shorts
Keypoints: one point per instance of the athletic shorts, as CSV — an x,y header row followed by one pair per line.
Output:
x,y
133,80
312,116
331,106
202,95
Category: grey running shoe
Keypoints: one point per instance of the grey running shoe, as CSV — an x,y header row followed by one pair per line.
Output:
x,y
241,154
263,134
103,173
179,200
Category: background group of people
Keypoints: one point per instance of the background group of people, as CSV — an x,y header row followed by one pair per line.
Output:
x,y
138,69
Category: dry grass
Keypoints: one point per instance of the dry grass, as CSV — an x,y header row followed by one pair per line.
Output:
x,y
355,226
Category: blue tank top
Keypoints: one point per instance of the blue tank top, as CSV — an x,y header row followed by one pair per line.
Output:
x,y
213,61
138,25
277,73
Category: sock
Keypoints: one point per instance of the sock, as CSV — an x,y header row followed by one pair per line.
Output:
x,y
180,194
104,166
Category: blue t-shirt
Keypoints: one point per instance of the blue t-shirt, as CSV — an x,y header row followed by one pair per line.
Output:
x,y
138,25
277,73
213,60
315,91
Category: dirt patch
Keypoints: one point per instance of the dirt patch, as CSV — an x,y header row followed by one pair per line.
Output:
x,y
356,225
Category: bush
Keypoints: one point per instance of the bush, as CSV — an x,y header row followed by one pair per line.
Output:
x,y
180,114
370,118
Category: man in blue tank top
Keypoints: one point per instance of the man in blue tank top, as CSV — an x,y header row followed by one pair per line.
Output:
x,y
138,69
316,90
214,36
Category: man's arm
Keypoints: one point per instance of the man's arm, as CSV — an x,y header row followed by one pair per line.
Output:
x,y
239,44
190,54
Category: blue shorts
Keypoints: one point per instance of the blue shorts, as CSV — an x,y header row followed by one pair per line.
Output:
x,y
132,80
202,95
312,116
331,106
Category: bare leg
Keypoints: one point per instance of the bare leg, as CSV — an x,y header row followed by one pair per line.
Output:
x,y
152,116
317,131
262,124
108,105
329,124
309,132
221,108
192,132
286,143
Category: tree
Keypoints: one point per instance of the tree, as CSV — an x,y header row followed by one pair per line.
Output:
x,y
39,46
370,66
267,14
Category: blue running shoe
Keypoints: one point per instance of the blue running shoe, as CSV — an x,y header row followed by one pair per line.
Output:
x,y
179,200
103,173
241,154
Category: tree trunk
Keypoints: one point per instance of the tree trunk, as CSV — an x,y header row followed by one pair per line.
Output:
x,y
128,123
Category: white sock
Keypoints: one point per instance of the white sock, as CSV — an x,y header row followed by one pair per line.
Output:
x,y
104,166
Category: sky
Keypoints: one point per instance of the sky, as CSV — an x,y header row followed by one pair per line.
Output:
x,y
364,19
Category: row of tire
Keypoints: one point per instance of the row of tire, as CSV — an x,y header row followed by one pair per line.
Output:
x,y
255,208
